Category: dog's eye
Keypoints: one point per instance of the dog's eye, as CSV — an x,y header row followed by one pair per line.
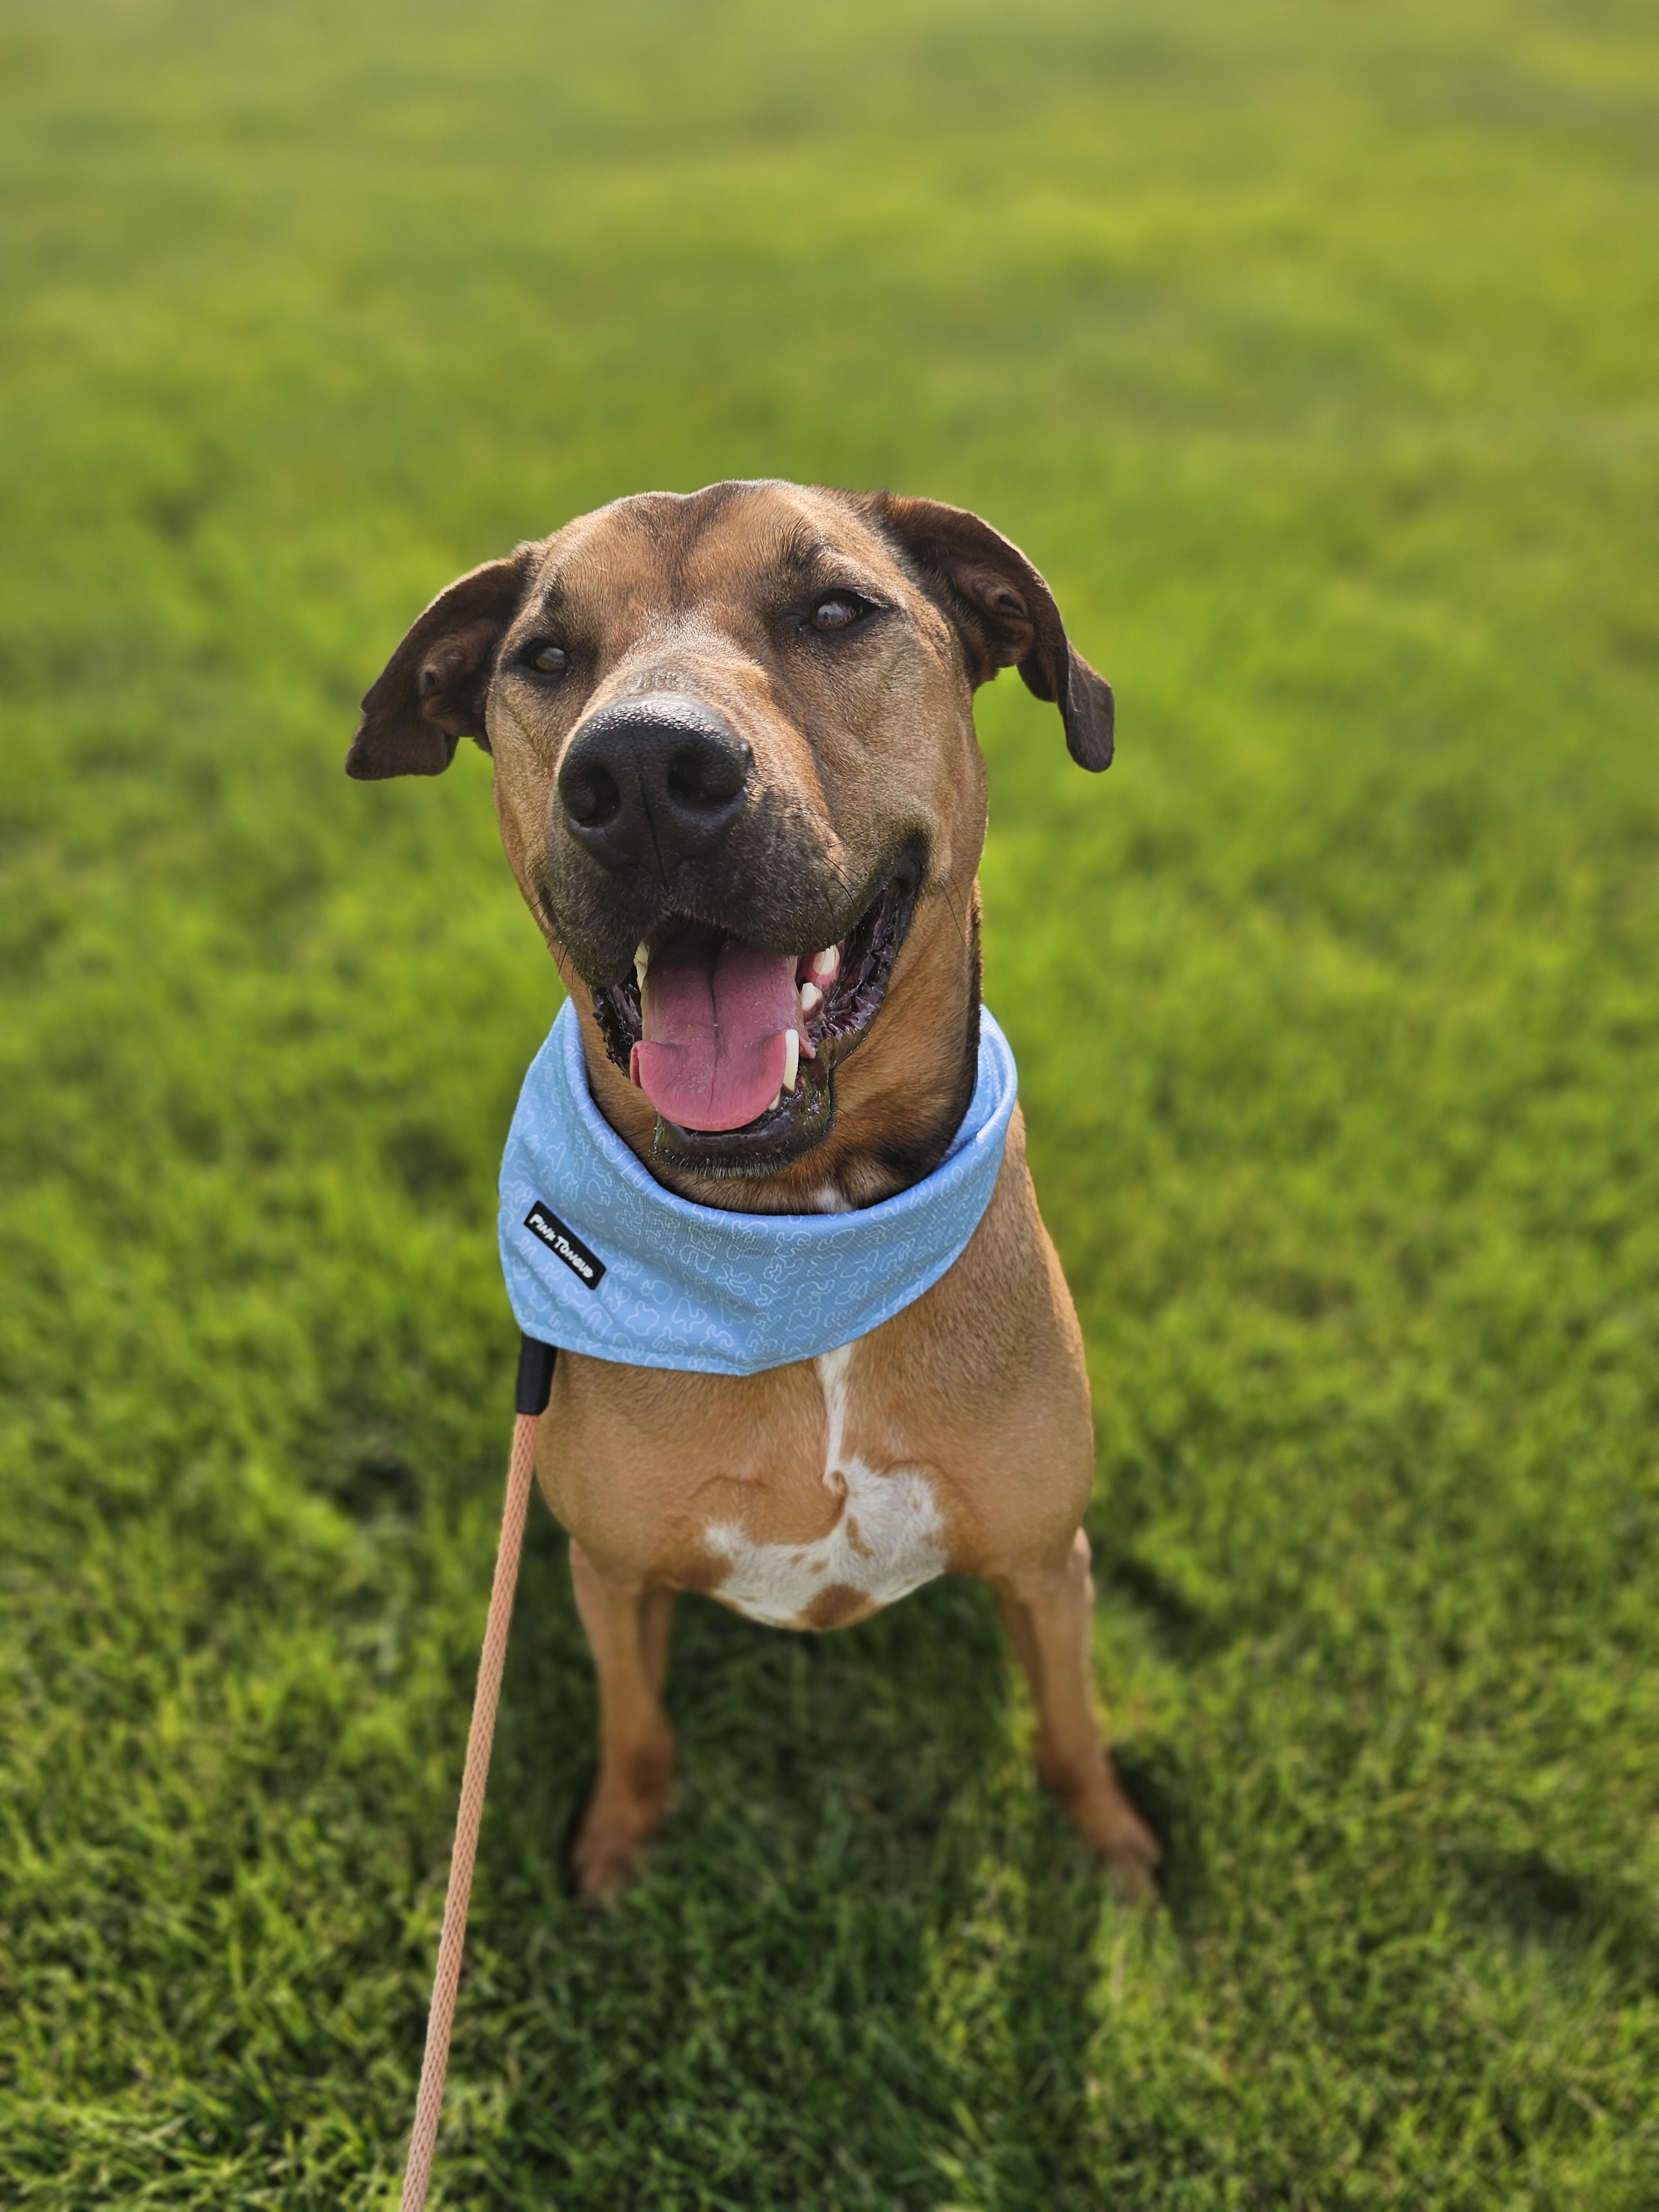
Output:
x,y
551,659
838,611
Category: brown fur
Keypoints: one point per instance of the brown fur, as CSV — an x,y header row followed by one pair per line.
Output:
x,y
864,752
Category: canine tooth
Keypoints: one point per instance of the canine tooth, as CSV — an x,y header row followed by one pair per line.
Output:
x,y
791,1059
776,1103
642,961
811,998
825,963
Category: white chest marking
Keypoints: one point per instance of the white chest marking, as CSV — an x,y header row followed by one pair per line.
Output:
x,y
885,1542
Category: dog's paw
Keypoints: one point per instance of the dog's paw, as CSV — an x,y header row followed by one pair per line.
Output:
x,y
1129,1858
1124,1846
608,1852
602,1868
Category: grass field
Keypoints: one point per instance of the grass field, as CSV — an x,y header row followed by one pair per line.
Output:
x,y
1310,351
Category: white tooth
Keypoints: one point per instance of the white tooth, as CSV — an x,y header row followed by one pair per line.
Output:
x,y
811,998
808,1049
642,961
791,1059
825,963
776,1103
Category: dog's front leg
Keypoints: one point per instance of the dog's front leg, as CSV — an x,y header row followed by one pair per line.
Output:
x,y
1047,1611
627,1623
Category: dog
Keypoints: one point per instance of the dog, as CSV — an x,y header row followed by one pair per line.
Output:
x,y
734,754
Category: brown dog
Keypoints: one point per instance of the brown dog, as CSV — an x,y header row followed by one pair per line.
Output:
x,y
734,734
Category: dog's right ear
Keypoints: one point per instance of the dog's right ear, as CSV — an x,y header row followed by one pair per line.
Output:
x,y
431,693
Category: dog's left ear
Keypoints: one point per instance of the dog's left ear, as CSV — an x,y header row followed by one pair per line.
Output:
x,y
1003,611
431,693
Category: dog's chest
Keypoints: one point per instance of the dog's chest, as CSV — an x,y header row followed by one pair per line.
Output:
x,y
886,1539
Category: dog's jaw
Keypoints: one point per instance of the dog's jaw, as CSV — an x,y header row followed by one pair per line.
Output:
x,y
898,1098
838,991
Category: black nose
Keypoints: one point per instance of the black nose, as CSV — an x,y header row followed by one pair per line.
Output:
x,y
649,783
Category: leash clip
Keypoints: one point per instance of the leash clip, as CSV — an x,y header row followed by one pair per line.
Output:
x,y
535,1385
534,1375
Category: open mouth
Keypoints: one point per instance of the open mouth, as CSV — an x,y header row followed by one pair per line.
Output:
x,y
736,1046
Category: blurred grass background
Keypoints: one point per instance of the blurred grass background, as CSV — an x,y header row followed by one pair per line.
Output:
x,y
1310,351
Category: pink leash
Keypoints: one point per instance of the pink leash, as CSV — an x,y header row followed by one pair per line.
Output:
x,y
535,1384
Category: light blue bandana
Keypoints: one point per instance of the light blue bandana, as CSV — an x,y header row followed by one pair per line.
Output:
x,y
599,1258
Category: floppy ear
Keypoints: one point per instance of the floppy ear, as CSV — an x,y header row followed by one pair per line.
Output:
x,y
431,693
1004,613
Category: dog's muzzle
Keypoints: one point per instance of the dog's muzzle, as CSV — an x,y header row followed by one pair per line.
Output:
x,y
650,783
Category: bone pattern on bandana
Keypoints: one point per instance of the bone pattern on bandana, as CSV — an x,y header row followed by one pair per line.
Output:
x,y
691,1287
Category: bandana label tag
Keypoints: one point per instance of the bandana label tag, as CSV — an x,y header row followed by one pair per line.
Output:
x,y
587,1266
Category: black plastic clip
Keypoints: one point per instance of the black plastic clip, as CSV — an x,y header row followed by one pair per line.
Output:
x,y
535,1375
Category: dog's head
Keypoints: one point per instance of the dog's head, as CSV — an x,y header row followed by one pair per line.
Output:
x,y
737,781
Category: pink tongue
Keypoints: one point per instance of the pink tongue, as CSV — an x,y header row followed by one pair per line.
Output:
x,y
715,1028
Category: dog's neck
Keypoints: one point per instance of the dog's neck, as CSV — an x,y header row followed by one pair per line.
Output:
x,y
900,1097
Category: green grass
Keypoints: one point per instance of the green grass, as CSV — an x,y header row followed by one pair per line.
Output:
x,y
1308,350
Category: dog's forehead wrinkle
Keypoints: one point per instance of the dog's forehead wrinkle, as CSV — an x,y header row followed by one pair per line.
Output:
x,y
670,650
789,553
671,523
767,516
638,683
